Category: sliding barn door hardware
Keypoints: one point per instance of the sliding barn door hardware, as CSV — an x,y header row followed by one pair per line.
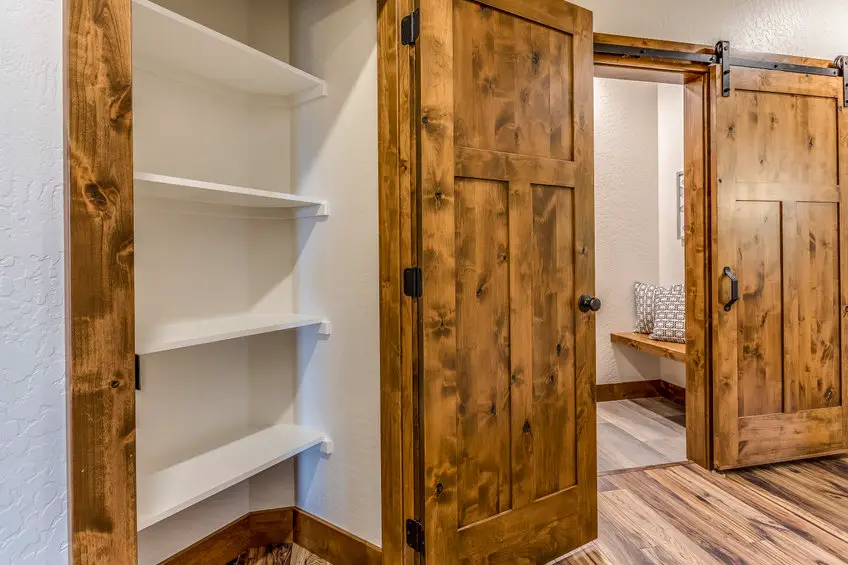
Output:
x,y
842,66
723,53
410,27
639,52
724,58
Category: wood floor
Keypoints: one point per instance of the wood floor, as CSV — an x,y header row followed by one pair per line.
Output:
x,y
278,555
640,433
792,514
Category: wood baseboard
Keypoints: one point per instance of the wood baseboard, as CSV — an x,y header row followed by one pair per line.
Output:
x,y
272,527
640,389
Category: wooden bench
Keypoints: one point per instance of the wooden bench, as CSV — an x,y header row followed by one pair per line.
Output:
x,y
641,342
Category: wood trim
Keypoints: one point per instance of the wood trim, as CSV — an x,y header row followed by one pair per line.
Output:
x,y
698,249
641,342
646,68
670,70
332,543
272,527
99,282
396,161
672,392
655,388
254,529
391,435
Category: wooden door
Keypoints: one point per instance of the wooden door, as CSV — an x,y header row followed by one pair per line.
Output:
x,y
508,360
781,142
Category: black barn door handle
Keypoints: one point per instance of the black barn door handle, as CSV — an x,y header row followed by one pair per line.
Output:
x,y
734,289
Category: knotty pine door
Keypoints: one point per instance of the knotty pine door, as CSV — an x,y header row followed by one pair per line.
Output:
x,y
781,144
507,248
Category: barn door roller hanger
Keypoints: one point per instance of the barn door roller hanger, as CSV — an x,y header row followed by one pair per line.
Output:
x,y
722,55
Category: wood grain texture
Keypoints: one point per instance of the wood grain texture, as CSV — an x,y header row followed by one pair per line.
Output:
x,y
99,283
610,392
683,515
482,300
640,433
697,125
643,343
438,265
270,528
507,243
779,388
258,529
331,543
395,152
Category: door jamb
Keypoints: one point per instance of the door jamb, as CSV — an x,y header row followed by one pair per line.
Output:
x,y
99,287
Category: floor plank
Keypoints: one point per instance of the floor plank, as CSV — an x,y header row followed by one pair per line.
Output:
x,y
640,433
790,514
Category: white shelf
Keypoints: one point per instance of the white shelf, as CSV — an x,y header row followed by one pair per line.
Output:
x,y
149,185
161,37
198,332
164,493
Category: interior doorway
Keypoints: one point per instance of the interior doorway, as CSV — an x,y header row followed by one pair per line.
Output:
x,y
640,274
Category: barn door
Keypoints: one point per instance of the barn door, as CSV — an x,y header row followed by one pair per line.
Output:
x,y
782,172
507,410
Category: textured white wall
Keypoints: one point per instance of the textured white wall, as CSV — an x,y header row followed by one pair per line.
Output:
x,y
813,28
33,485
338,270
670,162
626,217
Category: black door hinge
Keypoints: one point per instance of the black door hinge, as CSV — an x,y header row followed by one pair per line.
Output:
x,y
137,372
409,28
842,65
415,535
413,285
723,54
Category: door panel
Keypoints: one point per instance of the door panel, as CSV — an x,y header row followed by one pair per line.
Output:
x,y
781,145
507,236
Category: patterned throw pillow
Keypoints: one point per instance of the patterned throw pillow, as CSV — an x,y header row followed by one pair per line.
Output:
x,y
644,307
670,314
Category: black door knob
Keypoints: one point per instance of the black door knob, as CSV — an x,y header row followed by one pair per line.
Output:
x,y
587,303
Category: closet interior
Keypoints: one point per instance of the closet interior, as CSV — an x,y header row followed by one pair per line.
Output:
x,y
640,273
221,223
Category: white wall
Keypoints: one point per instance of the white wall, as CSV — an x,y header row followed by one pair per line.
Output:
x,y
670,161
338,271
626,217
33,485
813,28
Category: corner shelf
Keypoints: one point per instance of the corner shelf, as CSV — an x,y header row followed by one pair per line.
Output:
x,y
164,493
277,204
211,330
162,37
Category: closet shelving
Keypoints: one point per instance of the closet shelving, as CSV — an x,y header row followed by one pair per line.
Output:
x,y
278,204
164,38
168,491
199,332
174,476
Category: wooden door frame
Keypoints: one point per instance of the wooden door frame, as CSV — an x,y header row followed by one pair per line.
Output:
x,y
698,95
397,190
99,299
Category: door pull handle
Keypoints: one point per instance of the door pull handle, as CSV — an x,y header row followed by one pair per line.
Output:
x,y
734,289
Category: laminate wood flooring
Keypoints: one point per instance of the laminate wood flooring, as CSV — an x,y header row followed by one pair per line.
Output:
x,y
283,554
640,433
789,514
